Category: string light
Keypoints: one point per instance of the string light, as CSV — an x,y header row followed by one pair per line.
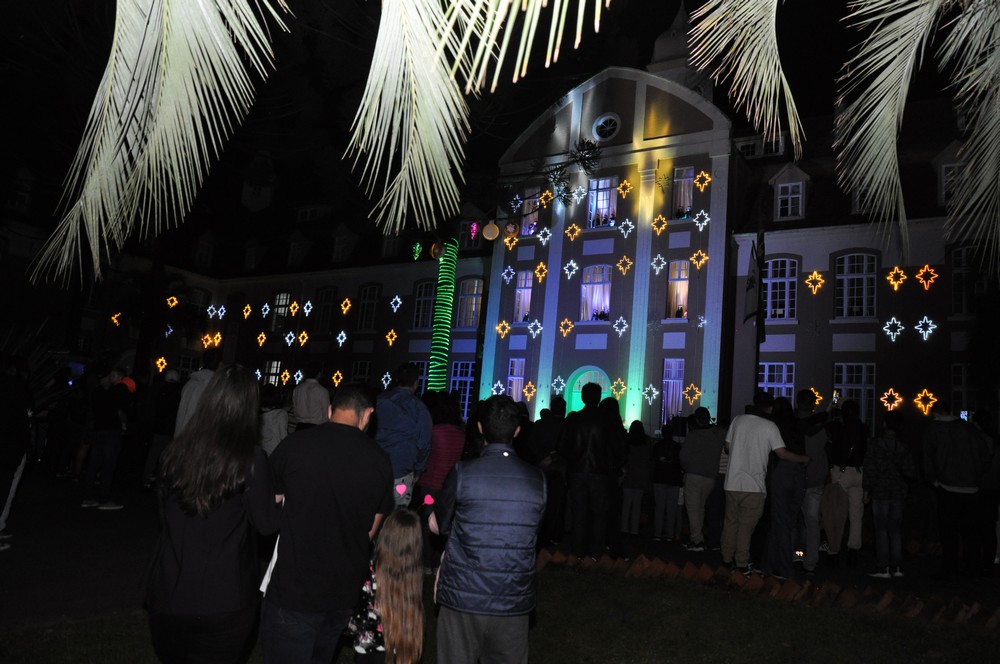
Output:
x,y
247,310
303,338
544,236
893,328
815,281
699,258
896,278
115,317
624,265
473,230
925,327
345,306
650,393
626,227
566,327
529,390
701,220
386,380
535,328
620,326
437,367
497,389
701,181
503,328
558,385
336,378
541,271
217,339
691,393
659,262
618,388
206,340
659,224
572,232
261,338
624,188
570,269
171,302
925,401
417,249
546,198
891,399
391,337
926,276
341,338
161,364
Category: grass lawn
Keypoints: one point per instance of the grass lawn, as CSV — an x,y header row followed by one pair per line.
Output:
x,y
585,618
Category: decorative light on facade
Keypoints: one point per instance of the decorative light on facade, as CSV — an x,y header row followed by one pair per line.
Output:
x,y
701,220
395,303
546,198
702,321
258,374
497,389
341,338
265,310
115,317
515,203
926,276
293,308
701,181
285,377
261,338
626,228
535,328
206,340
529,391
620,326
473,230
815,281
336,378
816,396
217,339
247,310
659,262
508,274
891,399
625,264
566,326
618,388
416,250
570,269
391,337
303,338
171,302
650,393
699,258
211,311
540,271
572,232
503,329
345,306
624,188
161,364
578,193
307,308
511,242
222,312
168,331
659,224
298,376
925,327
925,401
691,393
386,380
558,385
893,328
544,235
896,278
290,338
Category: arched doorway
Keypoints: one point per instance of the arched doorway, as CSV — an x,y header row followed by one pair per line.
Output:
x,y
579,378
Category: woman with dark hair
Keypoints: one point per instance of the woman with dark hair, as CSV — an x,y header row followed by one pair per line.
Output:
x,y
215,484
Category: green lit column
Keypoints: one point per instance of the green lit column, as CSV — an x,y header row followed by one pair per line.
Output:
x,y
444,299
637,366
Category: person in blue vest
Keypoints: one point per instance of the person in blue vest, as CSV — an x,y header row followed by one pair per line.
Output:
x,y
490,510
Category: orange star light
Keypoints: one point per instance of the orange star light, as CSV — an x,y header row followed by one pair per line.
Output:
x,y
891,399
161,364
217,339
546,198
293,308
701,181
336,378
261,338
503,329
303,338
925,400
691,393
926,276
566,327
206,340
171,301
624,264
541,271
247,310
391,337
624,188
114,319
699,258
345,306
659,224
285,377
511,242
815,281
896,278
529,390
618,388
816,394
572,232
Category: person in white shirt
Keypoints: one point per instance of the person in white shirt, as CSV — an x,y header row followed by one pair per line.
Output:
x,y
310,400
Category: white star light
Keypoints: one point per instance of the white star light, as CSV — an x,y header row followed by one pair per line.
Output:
x,y
535,328
620,326
386,379
578,193
307,308
212,311
298,376
259,376
508,274
290,338
558,385
701,220
395,303
893,328
515,203
626,227
658,263
544,236
341,338
265,310
497,389
570,269
925,327
650,393
169,331
701,321
222,311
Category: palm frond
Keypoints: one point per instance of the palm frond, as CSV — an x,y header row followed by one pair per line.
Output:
x,y
741,38
970,50
873,95
176,84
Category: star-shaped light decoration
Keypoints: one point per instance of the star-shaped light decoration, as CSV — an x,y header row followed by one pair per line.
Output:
x,y
699,258
285,377
298,376
265,310
578,193
926,276
161,364
473,230
618,388
702,321
650,393
626,227
391,337
701,220
891,399
701,181
222,312
624,188
206,340
345,306
171,302
307,308
625,264
341,338
529,391
558,385
893,328
515,203
497,389
925,401
217,339
535,328
545,198
896,278
258,374
336,378
816,395
540,271
168,331
572,232
570,269
544,235
247,310
395,303
503,329
416,250
293,308
303,338
815,281
659,224
691,393
261,338
386,380
115,317
659,262
289,337
211,311
620,326
566,326
511,242
925,327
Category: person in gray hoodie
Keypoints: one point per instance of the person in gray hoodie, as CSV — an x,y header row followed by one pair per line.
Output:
x,y
195,387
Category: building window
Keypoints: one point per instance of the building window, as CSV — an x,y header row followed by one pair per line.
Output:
x,y
774,146
465,239
601,200
423,309
422,380
361,371
790,203
673,388
390,246
855,296
470,301
677,289
529,212
749,149
326,308
367,299
461,383
595,293
778,378
272,372
522,296
950,173
857,381
606,126
967,283
341,249
188,364
515,378
280,310
963,395
780,278
683,191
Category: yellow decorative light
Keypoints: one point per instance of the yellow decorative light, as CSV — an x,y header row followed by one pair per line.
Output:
x,y
171,302
925,400
926,276
701,180
541,271
285,377
816,394
217,339
261,338
114,319
624,188
293,308
625,264
336,378
511,242
391,337
206,340
659,224
815,281
546,198
896,278
247,310
699,258
345,306
566,327
572,232
891,400
503,329
618,388
161,364
529,390
303,338
691,393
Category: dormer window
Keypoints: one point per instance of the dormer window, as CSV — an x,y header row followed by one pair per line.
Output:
x,y
950,173
790,201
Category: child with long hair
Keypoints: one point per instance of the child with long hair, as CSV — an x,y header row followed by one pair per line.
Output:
x,y
389,625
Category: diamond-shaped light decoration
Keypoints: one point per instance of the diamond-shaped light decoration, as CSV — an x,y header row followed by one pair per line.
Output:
x,y
336,378
161,364
307,308
691,393
535,328
570,269
171,302
624,188
540,271
341,338
659,262
395,303
701,180
925,327
620,326
701,220
626,227
303,338
206,340
625,264
497,389
386,380
261,338
503,329
298,376
618,388
391,337
650,393
659,224
247,310
289,337
345,306
217,339
544,235
508,275
222,311
699,258
558,385
265,310
211,311
285,377
572,232
529,391
258,374
893,328
566,326
293,308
